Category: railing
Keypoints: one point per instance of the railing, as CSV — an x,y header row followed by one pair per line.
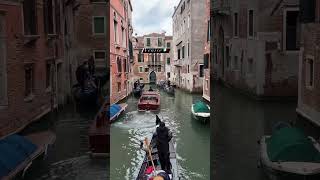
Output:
x,y
222,6
154,63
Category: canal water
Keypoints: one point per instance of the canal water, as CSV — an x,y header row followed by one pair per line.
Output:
x,y
238,123
192,138
68,158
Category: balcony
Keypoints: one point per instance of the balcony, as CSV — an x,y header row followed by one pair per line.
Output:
x,y
177,62
221,7
155,63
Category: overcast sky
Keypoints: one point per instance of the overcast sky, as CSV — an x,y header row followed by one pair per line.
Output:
x,y
152,16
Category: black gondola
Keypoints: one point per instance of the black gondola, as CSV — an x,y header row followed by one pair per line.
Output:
x,y
147,163
137,91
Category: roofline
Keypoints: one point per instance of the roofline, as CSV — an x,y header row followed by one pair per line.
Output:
x,y
177,8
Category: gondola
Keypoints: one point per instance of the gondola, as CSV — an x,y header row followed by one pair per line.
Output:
x,y
137,91
170,90
87,95
146,170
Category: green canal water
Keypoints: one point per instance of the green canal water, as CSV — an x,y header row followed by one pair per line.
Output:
x,y
192,138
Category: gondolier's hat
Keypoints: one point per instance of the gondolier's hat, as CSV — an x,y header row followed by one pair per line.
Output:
x,y
158,120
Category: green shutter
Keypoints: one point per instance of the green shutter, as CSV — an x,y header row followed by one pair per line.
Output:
x,y
99,25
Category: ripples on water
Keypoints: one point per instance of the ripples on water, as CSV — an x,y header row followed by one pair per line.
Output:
x,y
134,126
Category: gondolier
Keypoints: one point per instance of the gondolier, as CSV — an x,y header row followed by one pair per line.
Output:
x,y
163,137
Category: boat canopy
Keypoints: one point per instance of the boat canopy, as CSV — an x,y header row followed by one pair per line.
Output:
x,y
14,149
200,107
114,109
291,145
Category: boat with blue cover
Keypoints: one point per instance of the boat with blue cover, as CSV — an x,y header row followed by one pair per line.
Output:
x,y
116,110
291,154
201,111
18,152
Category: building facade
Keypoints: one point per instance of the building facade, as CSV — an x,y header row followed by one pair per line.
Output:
x,y
150,68
119,49
32,66
189,34
309,62
207,54
256,46
168,58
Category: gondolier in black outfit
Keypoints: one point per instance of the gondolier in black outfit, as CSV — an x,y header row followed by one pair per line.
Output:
x,y
82,74
91,66
163,137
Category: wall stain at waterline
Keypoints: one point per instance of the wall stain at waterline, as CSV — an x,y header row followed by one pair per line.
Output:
x,y
192,138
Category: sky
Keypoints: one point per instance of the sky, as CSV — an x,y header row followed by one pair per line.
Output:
x,y
152,16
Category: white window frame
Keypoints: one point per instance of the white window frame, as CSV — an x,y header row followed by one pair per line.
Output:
x,y
141,67
104,25
307,72
248,24
94,55
284,43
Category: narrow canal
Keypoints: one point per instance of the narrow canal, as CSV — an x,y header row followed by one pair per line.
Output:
x,y
238,123
68,159
192,138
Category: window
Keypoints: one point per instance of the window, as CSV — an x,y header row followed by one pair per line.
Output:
x,y
119,65
188,70
123,36
28,80
115,26
168,74
140,56
189,21
125,65
148,42
250,66
207,84
228,55
48,16
48,75
250,24
100,59
188,49
182,52
201,68
141,69
30,17
178,53
141,79
309,72
99,25
235,64
119,86
292,30
159,69
208,31
168,44
146,69
236,24
206,61
159,42
168,61
3,62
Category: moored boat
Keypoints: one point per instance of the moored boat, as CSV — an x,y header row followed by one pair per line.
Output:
x,y
99,133
289,153
170,90
137,91
17,152
151,161
149,101
115,111
201,111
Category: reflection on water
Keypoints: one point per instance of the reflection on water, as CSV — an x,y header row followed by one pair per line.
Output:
x,y
191,137
239,123
68,159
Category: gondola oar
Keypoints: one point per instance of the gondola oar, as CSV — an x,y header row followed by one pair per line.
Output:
x,y
150,155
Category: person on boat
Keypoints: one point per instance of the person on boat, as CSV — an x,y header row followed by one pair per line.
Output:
x,y
91,66
158,121
135,84
163,137
168,83
150,89
81,74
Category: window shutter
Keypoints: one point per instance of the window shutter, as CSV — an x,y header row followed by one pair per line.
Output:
x,y
307,11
